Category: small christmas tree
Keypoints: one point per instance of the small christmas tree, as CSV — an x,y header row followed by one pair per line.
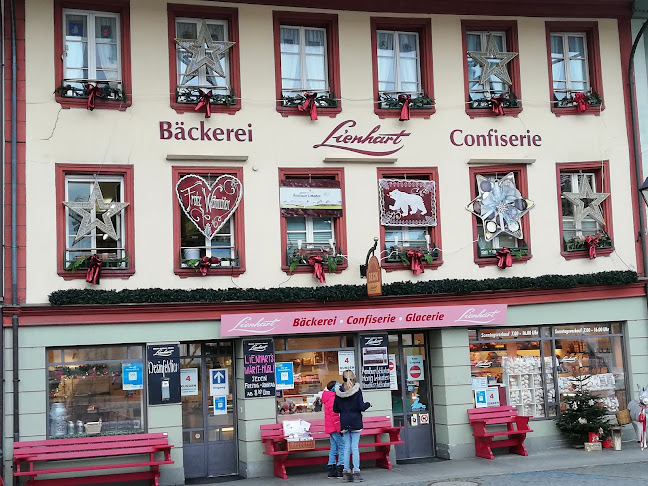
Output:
x,y
583,413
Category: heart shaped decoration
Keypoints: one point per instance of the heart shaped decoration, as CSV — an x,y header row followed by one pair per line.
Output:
x,y
207,207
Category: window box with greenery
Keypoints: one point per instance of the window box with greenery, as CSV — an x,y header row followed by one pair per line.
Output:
x,y
80,259
399,254
484,250
331,258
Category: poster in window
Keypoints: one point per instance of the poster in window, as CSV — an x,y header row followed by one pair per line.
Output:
x,y
132,376
375,362
317,198
259,368
163,361
407,202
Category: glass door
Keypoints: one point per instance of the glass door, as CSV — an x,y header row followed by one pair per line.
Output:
x,y
411,403
208,420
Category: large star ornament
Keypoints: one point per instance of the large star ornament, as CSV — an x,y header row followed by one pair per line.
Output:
x,y
204,52
489,68
85,209
586,203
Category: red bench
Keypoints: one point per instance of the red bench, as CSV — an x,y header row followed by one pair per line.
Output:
x,y
275,444
64,456
517,427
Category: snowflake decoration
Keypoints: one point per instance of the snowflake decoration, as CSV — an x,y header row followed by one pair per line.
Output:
x,y
582,420
500,206
591,403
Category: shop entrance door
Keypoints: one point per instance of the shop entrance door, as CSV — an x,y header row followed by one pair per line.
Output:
x,y
208,431
411,404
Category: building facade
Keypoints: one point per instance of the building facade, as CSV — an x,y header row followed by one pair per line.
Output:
x,y
268,148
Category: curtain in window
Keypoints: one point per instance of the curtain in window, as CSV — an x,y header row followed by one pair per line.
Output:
x,y
386,62
106,48
290,59
76,47
408,62
315,68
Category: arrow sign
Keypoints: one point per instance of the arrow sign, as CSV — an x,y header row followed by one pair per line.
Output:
x,y
218,386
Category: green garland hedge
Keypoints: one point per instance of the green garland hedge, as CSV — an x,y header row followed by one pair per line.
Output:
x,y
337,292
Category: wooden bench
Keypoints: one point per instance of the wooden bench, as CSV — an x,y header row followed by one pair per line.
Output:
x,y
517,427
275,444
64,456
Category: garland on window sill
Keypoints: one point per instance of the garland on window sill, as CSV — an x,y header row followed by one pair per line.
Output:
x,y
414,259
393,102
203,264
496,103
336,292
588,243
83,261
320,101
100,90
193,96
331,261
582,101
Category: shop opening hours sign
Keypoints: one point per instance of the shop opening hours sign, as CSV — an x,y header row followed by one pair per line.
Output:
x,y
259,368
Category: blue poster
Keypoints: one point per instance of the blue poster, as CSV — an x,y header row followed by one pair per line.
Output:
x,y
132,376
285,376
220,405
75,29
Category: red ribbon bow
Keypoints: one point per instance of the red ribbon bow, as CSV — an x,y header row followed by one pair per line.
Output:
x,y
94,270
405,110
309,104
318,269
592,242
415,261
496,105
205,263
582,104
205,100
504,258
92,90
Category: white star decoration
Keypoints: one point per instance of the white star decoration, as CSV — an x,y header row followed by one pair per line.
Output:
x,y
586,203
85,209
204,52
489,68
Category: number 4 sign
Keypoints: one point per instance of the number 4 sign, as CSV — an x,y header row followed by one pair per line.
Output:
x,y
346,361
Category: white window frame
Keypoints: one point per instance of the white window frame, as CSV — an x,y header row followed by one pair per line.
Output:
x,y
568,221
310,234
202,72
566,58
120,227
302,60
92,45
396,43
486,91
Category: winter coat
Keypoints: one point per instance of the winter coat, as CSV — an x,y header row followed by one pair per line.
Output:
x,y
350,405
331,419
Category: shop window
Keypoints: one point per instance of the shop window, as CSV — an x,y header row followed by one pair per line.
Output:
x,y
103,226
92,53
406,227
591,224
188,22
536,368
307,229
316,361
491,230
402,66
306,62
575,67
87,393
225,250
480,95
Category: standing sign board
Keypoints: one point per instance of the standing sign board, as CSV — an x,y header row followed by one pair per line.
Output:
x,y
374,277
163,361
218,385
375,361
259,367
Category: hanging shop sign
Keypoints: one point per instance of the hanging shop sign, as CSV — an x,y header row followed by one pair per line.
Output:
x,y
316,198
259,368
494,139
163,362
374,277
373,142
375,361
188,382
352,320
178,131
407,202
207,206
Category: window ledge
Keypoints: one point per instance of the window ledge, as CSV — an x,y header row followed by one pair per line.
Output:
x,y
492,261
212,272
181,108
584,254
105,273
399,267
488,113
67,103
395,112
294,111
309,269
572,110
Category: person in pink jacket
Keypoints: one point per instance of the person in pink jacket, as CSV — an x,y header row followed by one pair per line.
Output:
x,y
332,427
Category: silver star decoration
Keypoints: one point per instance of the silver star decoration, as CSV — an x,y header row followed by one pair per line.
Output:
x,y
85,209
497,69
586,203
204,52
500,206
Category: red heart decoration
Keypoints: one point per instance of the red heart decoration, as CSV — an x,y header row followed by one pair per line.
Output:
x,y
207,207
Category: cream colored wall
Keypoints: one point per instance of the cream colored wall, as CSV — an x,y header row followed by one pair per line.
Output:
x,y
56,135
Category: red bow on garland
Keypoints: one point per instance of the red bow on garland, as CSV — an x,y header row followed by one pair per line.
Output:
x,y
92,90
496,105
318,269
415,261
592,242
309,104
504,258
94,270
405,110
205,263
581,101
204,101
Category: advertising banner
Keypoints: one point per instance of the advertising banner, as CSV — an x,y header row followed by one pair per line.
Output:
x,y
259,367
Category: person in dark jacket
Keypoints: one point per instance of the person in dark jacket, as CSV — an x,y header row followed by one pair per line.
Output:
x,y
350,405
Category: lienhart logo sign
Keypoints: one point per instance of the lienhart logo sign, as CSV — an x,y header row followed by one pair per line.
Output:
x,y
361,319
373,142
